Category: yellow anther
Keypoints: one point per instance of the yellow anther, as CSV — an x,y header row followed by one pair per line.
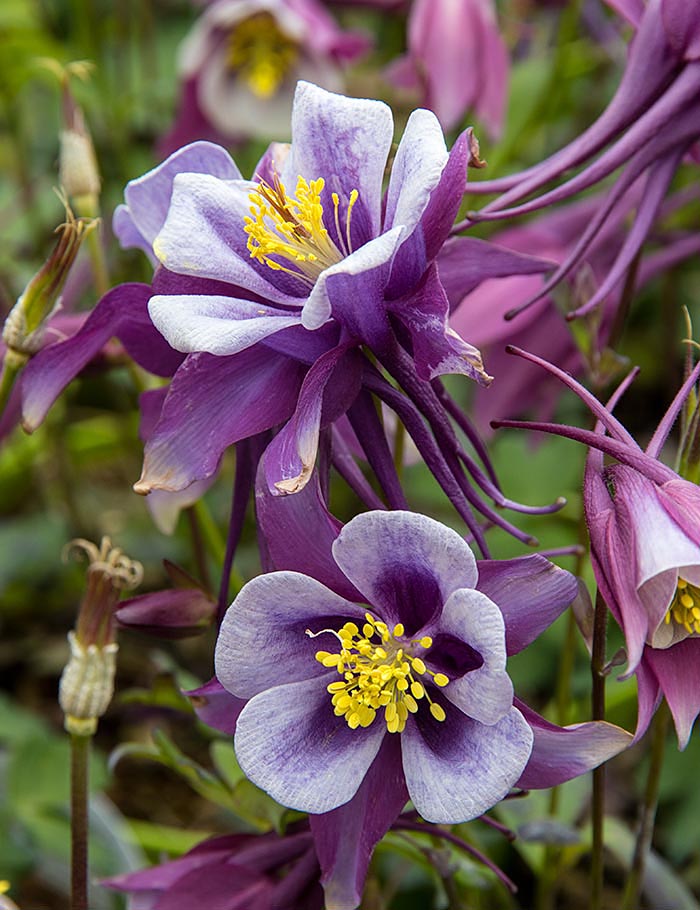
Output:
x,y
440,679
418,665
261,53
684,609
426,641
437,711
417,690
682,583
398,629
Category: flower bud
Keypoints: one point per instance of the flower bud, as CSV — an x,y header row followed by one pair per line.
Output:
x,y
77,162
87,685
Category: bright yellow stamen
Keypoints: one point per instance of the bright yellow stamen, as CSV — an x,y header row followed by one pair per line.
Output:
x,y
685,607
378,670
292,229
261,53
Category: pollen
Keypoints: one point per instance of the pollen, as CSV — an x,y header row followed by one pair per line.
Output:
x,y
291,228
261,54
379,667
685,607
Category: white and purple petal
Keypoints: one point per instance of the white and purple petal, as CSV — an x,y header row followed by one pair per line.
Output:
x,y
290,744
405,564
263,640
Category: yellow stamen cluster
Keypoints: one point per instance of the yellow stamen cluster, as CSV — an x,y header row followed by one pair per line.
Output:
x,y
685,607
291,227
261,53
379,669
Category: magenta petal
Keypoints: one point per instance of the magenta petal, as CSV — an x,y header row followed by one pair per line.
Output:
x,y
219,885
457,769
212,403
122,312
346,837
531,592
560,753
289,742
649,697
677,670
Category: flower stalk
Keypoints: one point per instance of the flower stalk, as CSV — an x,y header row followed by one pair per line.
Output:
x,y
600,622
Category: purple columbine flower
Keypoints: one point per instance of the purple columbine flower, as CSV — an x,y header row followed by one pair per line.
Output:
x,y
240,63
648,127
388,681
231,872
644,524
456,61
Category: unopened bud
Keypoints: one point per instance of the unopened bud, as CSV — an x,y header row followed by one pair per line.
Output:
x,y
87,685
24,326
77,162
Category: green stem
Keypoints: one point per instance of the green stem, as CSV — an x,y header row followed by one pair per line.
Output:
x,y
198,548
600,622
647,813
10,372
80,754
399,447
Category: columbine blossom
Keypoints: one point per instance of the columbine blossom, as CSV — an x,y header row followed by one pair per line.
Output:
x,y
644,524
241,61
456,61
383,678
648,127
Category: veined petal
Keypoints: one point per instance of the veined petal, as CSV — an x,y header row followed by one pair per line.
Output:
x,y
204,236
346,141
263,641
531,593
560,753
458,769
217,325
405,564
290,744
677,670
213,402
148,197
485,693
346,837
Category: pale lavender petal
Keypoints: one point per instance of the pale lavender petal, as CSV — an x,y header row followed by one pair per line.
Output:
x,y
560,753
346,837
290,744
677,670
346,141
486,693
165,507
212,403
204,236
457,769
331,384
405,564
217,325
128,235
148,197
649,697
263,641
531,593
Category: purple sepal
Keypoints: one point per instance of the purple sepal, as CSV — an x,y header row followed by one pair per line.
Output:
x,y
346,837
168,614
215,706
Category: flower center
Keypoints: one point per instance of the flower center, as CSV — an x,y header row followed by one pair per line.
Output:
x,y
261,53
685,607
292,229
379,670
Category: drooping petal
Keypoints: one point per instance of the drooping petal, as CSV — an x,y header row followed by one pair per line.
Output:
x,y
677,670
216,325
531,593
263,642
346,837
289,742
560,753
121,312
457,769
345,141
486,692
212,403
405,564
331,384
649,697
